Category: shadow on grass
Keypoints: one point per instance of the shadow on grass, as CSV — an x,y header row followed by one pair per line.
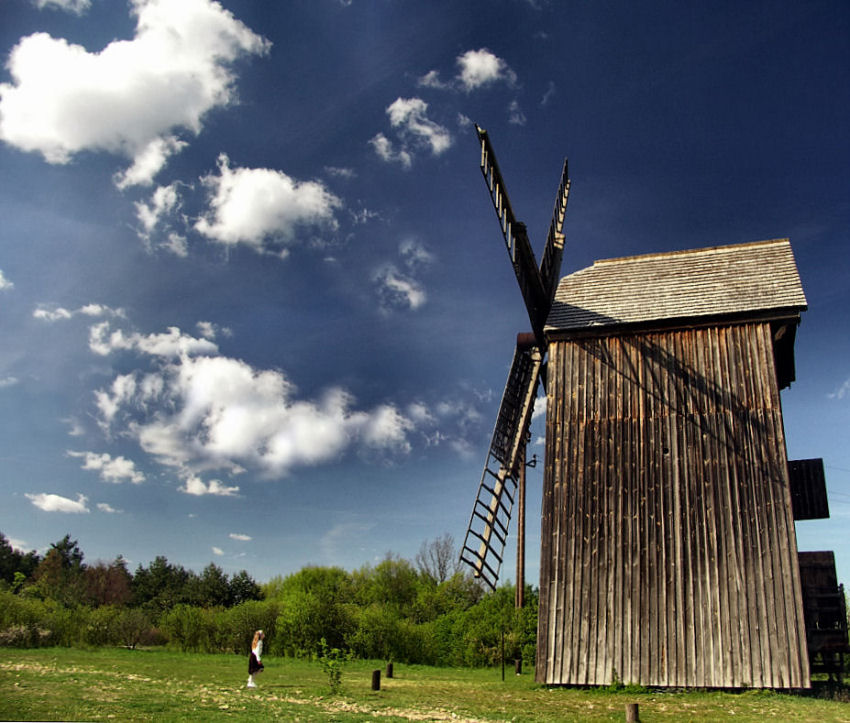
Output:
x,y
830,690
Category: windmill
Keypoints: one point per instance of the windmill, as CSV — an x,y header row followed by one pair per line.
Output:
x,y
668,549
484,544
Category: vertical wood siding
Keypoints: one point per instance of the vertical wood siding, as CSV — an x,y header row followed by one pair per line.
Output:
x,y
669,555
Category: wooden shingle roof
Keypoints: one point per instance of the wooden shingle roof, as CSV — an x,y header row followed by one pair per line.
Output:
x,y
739,280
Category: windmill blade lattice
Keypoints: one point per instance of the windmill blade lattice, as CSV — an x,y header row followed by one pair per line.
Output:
x,y
550,266
516,240
484,544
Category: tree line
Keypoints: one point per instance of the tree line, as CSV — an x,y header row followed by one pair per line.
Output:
x,y
426,611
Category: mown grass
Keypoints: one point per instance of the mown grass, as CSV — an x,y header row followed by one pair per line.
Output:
x,y
125,685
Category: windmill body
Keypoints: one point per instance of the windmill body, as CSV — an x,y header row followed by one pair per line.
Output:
x,y
669,552
668,549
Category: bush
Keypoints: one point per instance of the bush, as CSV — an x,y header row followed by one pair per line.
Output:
x,y
46,622
23,636
134,627
312,606
305,618
238,624
332,660
191,629
103,626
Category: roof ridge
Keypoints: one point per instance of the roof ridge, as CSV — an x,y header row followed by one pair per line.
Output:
x,y
692,252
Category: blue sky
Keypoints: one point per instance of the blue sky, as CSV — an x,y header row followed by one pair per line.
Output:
x,y
255,305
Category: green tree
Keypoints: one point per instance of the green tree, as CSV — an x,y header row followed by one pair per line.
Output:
x,y
210,589
160,586
191,628
133,624
393,582
241,621
14,562
243,588
103,627
59,576
108,583
313,606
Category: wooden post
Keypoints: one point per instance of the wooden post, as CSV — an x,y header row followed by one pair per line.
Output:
x,y
389,670
632,713
503,655
519,600
376,680
518,665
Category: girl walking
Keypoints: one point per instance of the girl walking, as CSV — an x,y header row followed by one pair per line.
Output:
x,y
255,662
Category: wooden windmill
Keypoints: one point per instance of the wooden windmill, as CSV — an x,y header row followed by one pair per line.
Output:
x,y
668,548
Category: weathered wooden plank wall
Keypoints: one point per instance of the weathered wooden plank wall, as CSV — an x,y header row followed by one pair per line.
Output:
x,y
668,554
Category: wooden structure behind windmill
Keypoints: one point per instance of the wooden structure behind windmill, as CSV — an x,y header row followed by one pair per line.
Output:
x,y
668,549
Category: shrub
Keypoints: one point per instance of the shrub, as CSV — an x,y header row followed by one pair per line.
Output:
x,y
23,636
238,624
332,660
103,626
190,628
134,627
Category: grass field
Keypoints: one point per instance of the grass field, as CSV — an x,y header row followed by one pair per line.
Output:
x,y
124,685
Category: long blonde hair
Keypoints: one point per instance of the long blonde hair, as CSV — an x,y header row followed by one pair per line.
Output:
x,y
257,636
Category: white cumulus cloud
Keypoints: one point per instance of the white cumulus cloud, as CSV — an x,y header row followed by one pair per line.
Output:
x,y
132,96
397,290
103,341
111,469
194,485
409,115
262,207
164,201
414,130
73,6
386,151
59,313
415,254
540,405
57,503
477,68
240,537
148,161
5,284
431,79
213,412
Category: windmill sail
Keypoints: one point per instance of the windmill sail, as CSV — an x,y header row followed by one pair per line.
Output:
x,y
485,539
516,240
550,266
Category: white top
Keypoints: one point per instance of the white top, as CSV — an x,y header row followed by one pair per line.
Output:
x,y
258,649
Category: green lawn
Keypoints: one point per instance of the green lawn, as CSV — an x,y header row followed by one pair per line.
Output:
x,y
124,685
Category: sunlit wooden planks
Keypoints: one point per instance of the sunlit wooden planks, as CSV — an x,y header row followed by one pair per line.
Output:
x,y
668,551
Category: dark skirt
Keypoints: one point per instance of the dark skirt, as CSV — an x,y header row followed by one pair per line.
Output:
x,y
254,665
